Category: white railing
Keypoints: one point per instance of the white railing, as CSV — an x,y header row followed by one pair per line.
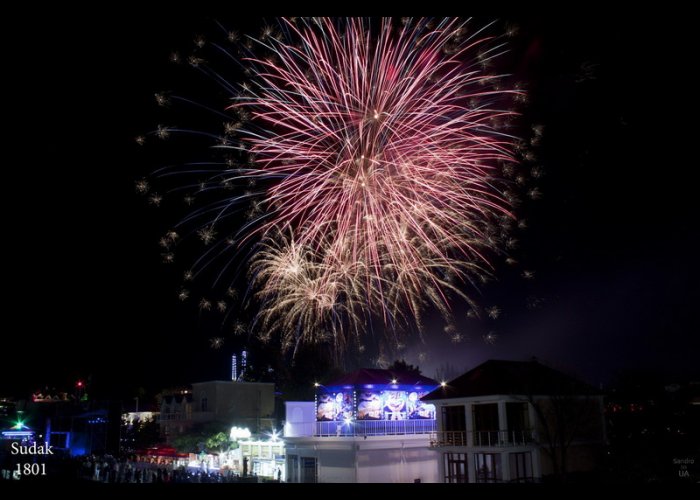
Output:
x,y
361,428
448,438
486,439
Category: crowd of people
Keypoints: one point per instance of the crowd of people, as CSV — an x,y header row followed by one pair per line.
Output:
x,y
110,469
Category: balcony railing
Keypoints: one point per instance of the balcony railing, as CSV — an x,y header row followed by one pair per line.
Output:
x,y
449,438
487,439
361,428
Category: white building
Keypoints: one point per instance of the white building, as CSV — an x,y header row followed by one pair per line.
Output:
x,y
369,426
508,421
265,457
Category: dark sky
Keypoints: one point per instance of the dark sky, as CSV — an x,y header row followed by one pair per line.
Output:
x,y
612,242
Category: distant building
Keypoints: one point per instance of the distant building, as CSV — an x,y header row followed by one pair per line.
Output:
x,y
176,414
508,421
265,457
368,426
245,404
71,425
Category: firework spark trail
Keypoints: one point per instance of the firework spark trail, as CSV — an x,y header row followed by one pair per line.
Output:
x,y
372,140
378,162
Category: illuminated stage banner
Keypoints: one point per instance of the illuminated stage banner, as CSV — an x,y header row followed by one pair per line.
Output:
x,y
374,405
393,405
334,406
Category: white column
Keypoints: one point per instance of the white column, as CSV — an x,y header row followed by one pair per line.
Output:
x,y
470,424
532,417
502,439
441,466
356,451
471,473
536,463
502,422
502,416
505,466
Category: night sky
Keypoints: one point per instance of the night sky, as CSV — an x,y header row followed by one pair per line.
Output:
x,y
612,242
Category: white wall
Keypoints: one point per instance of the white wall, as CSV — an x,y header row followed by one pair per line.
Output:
x,y
397,466
300,417
336,466
387,459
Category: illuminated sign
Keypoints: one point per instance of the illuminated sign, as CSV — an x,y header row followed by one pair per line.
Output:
x,y
393,404
239,433
334,406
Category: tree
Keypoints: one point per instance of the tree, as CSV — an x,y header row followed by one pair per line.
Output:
x,y
401,366
148,433
195,439
566,412
562,419
220,442
188,443
446,371
139,434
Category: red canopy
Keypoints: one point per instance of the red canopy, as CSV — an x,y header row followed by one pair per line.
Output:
x,y
162,451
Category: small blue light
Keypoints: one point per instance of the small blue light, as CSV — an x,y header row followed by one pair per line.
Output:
x,y
14,434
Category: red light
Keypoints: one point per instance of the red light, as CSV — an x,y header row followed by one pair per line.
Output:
x,y
80,384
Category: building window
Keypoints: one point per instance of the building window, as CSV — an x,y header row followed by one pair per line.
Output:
x,y
487,467
308,470
204,403
518,423
521,467
455,467
485,424
454,425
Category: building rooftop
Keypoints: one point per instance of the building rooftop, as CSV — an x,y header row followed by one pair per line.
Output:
x,y
231,382
381,377
510,377
177,398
